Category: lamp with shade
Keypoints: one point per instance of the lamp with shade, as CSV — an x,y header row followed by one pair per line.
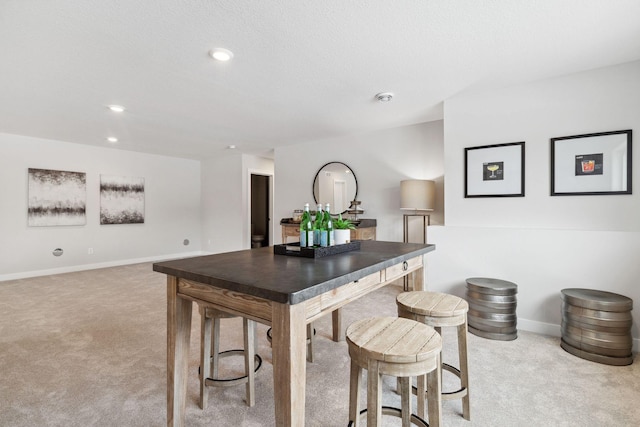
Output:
x,y
418,196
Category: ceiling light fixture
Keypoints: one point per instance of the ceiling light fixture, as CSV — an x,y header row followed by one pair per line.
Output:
x,y
116,108
231,147
221,54
384,96
112,139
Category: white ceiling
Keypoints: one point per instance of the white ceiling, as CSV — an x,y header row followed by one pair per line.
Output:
x,y
303,69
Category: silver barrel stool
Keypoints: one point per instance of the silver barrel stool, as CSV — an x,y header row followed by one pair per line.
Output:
x,y
492,308
596,326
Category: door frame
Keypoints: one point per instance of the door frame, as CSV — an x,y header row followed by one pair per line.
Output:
x,y
247,243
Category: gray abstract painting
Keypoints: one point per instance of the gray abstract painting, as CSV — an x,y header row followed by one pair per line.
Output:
x,y
56,198
121,200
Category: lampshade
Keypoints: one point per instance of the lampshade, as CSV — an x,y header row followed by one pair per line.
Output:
x,y
417,194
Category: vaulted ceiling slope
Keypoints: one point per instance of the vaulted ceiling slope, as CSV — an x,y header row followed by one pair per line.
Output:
x,y
302,69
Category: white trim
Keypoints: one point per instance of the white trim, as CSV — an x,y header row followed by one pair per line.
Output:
x,y
83,267
539,327
248,213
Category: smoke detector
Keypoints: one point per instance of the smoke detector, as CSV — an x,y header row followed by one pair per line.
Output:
x,y
384,96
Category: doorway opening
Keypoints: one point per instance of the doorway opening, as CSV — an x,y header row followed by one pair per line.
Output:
x,y
260,210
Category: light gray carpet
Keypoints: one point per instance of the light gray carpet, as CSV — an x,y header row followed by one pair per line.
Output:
x,y
89,349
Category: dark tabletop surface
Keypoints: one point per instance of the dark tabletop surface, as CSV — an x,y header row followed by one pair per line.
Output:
x,y
290,279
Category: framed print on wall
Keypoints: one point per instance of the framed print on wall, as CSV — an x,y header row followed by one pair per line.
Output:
x,y
121,200
591,164
56,198
494,170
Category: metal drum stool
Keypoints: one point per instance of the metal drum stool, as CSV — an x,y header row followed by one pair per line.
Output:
x,y
402,348
492,308
439,310
210,353
596,326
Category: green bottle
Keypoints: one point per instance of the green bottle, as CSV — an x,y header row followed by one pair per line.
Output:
x,y
306,228
328,226
317,226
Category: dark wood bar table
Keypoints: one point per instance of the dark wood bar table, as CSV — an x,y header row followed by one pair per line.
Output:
x,y
285,292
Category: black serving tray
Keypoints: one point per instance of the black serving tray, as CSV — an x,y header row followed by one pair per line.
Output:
x,y
294,249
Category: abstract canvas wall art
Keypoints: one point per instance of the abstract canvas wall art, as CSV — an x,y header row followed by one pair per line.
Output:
x,y
56,198
121,200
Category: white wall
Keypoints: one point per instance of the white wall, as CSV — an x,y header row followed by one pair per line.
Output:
x,y
172,209
226,214
379,160
222,203
542,243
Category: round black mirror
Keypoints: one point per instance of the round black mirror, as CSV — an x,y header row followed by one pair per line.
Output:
x,y
336,184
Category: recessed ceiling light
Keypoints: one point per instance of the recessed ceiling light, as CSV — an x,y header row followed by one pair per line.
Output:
x,y
221,54
384,96
231,147
112,139
116,108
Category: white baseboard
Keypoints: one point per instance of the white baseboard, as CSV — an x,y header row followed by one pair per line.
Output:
x,y
83,267
539,327
554,330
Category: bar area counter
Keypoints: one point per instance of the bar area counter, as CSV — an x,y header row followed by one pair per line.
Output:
x,y
284,292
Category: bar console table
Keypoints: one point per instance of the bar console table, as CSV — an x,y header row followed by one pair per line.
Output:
x,y
284,292
365,230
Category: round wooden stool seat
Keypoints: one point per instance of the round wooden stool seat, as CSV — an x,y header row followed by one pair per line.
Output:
x,y
398,347
436,308
210,354
441,310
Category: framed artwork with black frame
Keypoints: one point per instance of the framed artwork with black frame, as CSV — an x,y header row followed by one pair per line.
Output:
x,y
591,164
494,170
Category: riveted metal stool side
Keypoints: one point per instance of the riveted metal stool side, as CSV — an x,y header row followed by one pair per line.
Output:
x,y
492,308
596,326
398,347
440,310
210,354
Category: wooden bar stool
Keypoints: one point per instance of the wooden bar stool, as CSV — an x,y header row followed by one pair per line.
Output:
x,y
439,310
210,354
402,348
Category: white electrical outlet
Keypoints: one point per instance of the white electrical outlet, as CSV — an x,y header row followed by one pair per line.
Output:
x,y
90,251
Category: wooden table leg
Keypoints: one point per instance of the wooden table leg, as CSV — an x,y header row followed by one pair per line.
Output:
x,y
289,336
336,320
178,337
418,276
205,355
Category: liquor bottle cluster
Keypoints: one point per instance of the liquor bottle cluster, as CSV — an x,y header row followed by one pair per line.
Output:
x,y
316,231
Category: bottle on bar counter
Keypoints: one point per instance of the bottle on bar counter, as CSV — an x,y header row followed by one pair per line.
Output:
x,y
306,228
328,226
317,226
